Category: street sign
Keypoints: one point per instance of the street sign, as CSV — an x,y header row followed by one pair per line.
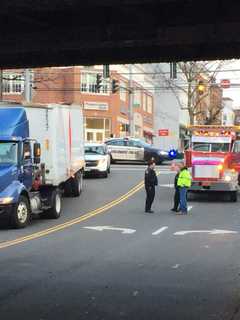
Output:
x,y
225,83
163,132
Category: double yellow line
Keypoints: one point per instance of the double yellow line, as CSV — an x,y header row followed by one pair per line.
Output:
x,y
72,222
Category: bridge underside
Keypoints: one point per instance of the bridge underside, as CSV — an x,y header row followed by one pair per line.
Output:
x,y
69,32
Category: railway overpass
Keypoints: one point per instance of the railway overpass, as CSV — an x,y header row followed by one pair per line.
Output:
x,y
72,32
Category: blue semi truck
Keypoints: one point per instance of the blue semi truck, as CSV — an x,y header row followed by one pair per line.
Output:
x,y
41,158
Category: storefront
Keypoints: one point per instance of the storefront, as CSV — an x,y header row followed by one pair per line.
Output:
x,y
97,129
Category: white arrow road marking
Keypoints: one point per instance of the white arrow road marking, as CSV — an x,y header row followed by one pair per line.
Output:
x,y
166,185
102,228
176,266
214,231
159,231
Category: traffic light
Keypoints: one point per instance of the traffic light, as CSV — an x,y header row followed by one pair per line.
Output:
x,y
201,87
121,127
98,82
115,86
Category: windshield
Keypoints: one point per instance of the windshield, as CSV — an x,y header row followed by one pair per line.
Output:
x,y
94,150
8,152
211,147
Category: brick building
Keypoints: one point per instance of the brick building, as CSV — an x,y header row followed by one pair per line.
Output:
x,y
105,114
210,107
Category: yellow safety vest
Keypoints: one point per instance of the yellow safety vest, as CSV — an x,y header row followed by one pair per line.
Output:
x,y
184,179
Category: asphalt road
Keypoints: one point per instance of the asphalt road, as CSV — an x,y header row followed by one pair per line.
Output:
x,y
122,263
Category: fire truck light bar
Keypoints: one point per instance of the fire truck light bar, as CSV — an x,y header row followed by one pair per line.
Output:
x,y
207,133
216,128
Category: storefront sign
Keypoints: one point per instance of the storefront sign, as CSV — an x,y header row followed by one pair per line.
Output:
x,y
163,132
95,106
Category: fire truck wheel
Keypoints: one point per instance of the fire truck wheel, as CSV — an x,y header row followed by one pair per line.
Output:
x,y
233,196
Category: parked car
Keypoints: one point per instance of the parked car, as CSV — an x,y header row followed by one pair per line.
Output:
x,y
97,159
130,149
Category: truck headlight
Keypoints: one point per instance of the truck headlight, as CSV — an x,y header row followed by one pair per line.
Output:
x,y
230,175
227,178
6,200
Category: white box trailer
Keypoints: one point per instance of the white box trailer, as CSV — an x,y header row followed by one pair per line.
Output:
x,y
59,130
41,158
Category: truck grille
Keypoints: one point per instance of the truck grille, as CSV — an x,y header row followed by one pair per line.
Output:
x,y
91,163
206,171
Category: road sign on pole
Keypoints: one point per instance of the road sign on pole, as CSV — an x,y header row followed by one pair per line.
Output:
x,y
163,132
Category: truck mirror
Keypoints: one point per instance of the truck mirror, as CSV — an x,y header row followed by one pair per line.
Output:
x,y
37,153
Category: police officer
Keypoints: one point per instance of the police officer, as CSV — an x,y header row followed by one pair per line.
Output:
x,y
150,182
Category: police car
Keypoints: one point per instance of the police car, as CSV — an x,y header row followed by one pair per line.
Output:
x,y
129,149
97,159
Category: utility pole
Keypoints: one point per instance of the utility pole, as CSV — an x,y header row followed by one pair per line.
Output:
x,y
130,107
27,85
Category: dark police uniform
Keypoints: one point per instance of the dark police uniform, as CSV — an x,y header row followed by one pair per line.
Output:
x,y
150,182
177,194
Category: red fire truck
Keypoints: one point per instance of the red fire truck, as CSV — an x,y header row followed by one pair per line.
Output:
x,y
214,159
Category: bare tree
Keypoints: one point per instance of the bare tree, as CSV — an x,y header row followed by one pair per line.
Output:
x,y
185,88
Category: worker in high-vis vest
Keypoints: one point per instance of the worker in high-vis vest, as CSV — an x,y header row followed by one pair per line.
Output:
x,y
183,183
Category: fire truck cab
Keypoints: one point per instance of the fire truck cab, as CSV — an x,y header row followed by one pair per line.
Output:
x,y
214,159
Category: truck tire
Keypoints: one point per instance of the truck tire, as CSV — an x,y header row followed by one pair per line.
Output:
x,y
77,184
21,213
233,196
56,205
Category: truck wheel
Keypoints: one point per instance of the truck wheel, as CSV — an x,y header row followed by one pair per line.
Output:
x,y
21,214
233,196
77,184
56,202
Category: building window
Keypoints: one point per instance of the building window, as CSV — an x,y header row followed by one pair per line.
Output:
x,y
149,104
89,84
137,98
13,83
123,91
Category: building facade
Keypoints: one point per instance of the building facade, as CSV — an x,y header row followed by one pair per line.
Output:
x,y
106,114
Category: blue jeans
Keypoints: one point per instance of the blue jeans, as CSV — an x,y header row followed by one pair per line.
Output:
x,y
183,199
